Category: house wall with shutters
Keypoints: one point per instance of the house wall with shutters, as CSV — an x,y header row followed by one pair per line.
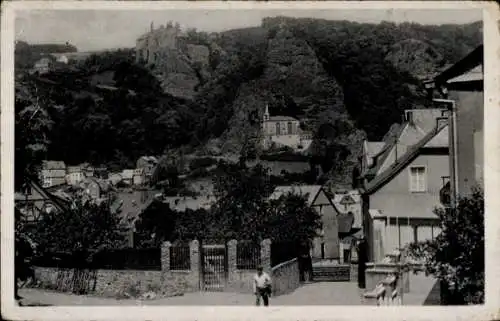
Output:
x,y
408,216
395,199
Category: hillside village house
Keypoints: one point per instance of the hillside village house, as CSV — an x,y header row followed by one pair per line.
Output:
x,y
101,172
148,164
43,66
74,175
325,246
95,188
349,201
53,173
139,177
87,169
128,176
129,205
462,83
34,201
283,131
402,178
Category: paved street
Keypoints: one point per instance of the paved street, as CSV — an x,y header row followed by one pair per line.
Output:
x,y
321,293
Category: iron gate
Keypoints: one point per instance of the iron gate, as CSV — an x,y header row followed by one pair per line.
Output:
x,y
214,267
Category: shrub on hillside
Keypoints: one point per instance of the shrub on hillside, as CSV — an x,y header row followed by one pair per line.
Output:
x,y
202,162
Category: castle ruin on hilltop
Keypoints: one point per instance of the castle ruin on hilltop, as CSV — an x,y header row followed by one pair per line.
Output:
x,y
149,45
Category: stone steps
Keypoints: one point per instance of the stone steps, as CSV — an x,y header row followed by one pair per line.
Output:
x,y
334,273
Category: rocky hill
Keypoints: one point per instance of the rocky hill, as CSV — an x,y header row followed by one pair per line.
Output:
x,y
208,91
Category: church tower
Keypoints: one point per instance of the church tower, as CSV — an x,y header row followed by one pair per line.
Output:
x,y
266,113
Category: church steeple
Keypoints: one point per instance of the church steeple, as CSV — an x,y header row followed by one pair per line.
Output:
x,y
266,113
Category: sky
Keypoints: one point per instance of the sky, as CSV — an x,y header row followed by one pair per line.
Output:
x,y
92,30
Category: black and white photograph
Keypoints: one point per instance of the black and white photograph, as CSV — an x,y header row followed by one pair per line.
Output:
x,y
247,156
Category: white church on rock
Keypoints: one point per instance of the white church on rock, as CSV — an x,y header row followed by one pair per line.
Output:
x,y
282,131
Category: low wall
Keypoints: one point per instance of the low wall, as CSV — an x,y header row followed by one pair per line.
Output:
x,y
240,281
164,282
114,283
285,277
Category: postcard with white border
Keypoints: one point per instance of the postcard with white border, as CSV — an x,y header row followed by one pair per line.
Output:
x,y
225,160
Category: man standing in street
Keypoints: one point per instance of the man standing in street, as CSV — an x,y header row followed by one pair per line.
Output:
x,y
262,286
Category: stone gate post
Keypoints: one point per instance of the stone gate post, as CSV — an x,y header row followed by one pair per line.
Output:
x,y
265,255
165,256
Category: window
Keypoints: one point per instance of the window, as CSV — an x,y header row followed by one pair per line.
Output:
x,y
418,179
47,182
290,128
278,129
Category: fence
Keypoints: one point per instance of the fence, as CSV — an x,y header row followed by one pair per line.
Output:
x,y
174,268
180,257
247,255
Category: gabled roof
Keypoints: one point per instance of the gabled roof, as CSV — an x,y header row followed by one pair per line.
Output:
x,y
373,148
470,61
347,200
127,173
53,165
475,74
384,177
59,203
399,139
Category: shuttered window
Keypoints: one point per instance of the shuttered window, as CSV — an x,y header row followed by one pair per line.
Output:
x,y
418,179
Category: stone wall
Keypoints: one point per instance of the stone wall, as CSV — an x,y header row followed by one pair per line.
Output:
x,y
166,282
285,277
124,283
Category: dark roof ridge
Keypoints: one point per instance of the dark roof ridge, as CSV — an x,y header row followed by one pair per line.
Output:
x,y
381,179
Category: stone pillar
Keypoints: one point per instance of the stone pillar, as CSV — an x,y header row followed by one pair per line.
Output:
x,y
232,247
165,256
194,252
195,270
265,255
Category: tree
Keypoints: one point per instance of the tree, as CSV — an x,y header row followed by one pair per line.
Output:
x,y
156,224
85,228
290,219
32,125
456,256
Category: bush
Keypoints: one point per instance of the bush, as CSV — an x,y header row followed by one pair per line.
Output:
x,y
202,162
456,256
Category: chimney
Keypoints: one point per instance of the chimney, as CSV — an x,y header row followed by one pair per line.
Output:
x,y
409,116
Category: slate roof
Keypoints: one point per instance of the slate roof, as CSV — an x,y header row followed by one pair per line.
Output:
x,y
476,74
469,62
53,165
180,203
127,174
130,204
405,136
373,148
396,167
302,190
282,118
